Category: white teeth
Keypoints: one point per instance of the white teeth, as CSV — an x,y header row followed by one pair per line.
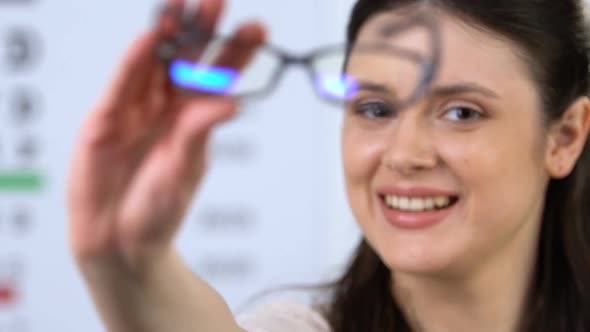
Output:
x,y
415,204
404,203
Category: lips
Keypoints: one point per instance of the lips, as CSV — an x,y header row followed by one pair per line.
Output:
x,y
415,191
419,218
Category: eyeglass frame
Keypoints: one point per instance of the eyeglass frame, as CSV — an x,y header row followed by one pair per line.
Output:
x,y
190,33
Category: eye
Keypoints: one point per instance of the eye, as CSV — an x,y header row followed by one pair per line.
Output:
x,y
374,109
462,114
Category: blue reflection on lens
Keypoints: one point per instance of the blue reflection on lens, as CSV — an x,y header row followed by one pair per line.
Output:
x,y
202,77
336,85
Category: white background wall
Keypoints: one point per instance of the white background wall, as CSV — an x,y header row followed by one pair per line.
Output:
x,y
271,211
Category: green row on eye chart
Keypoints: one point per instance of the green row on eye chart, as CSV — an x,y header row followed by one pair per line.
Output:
x,y
19,181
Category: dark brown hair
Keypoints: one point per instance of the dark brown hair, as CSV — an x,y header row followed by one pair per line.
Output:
x,y
554,37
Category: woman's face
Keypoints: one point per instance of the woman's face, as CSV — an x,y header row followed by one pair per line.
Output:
x,y
475,141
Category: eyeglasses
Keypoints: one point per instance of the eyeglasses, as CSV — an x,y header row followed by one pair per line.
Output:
x,y
338,73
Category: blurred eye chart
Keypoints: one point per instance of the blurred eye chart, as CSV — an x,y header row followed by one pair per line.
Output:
x,y
271,211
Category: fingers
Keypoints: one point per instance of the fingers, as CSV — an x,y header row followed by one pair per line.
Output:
x,y
163,188
139,63
140,74
208,13
131,71
196,120
189,141
238,52
134,68
167,19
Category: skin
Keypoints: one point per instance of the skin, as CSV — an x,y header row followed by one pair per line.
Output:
x,y
486,144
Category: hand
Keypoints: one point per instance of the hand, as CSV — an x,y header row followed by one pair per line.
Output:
x,y
141,152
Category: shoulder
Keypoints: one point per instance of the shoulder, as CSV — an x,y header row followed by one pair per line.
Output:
x,y
283,316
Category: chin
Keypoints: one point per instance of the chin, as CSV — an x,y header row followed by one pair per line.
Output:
x,y
419,257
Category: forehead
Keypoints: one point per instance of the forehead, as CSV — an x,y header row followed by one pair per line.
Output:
x,y
468,53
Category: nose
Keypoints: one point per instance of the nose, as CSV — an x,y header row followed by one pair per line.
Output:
x,y
410,147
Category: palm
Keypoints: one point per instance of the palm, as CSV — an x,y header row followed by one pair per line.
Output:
x,y
121,161
140,157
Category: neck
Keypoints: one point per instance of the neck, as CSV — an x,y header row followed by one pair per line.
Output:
x,y
490,298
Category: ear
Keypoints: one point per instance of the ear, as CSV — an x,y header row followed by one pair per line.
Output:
x,y
567,138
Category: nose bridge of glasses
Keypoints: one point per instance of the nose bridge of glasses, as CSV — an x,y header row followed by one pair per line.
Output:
x,y
295,60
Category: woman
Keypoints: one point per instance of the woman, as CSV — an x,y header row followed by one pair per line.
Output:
x,y
472,202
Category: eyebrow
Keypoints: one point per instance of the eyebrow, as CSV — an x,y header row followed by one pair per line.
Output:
x,y
374,87
444,90
464,87
377,87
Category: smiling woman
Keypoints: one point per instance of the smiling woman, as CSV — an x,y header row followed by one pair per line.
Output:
x,y
471,196
473,201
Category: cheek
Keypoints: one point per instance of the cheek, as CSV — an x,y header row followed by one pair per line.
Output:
x,y
471,163
361,157
361,154
499,177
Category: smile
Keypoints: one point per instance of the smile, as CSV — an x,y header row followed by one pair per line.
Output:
x,y
417,212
